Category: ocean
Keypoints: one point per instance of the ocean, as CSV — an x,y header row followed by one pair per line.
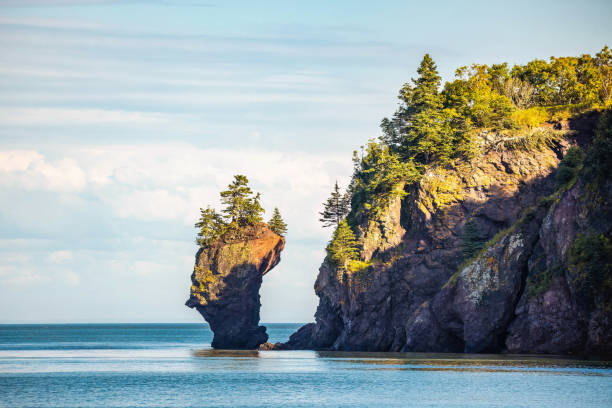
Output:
x,y
172,365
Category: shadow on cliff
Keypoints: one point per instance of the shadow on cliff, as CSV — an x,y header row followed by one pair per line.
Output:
x,y
407,299
233,314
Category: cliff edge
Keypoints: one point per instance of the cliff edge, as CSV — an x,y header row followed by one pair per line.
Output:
x,y
491,255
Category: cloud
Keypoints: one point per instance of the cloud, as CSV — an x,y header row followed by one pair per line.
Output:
x,y
47,3
30,170
71,278
172,181
11,275
12,116
18,160
59,257
48,23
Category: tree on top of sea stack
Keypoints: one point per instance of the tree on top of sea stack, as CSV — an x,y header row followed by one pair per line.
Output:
x,y
240,206
236,250
241,209
277,224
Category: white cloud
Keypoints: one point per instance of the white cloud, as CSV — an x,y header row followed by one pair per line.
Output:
x,y
150,204
172,181
21,116
12,275
18,160
30,170
47,22
60,256
71,278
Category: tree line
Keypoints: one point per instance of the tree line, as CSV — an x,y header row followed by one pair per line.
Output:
x,y
241,208
437,125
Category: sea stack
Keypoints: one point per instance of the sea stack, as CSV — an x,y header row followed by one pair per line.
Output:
x,y
225,285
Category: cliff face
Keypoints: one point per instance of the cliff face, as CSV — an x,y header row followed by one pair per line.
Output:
x,y
519,294
225,286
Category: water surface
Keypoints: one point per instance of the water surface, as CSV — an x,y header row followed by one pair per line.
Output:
x,y
160,365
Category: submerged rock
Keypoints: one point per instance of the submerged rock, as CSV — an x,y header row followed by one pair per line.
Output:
x,y
225,286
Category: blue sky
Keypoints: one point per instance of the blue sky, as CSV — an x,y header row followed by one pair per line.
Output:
x,y
119,119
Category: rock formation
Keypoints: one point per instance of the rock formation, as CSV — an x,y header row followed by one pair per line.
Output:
x,y
519,294
225,285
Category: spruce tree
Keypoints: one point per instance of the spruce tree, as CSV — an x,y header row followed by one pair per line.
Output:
x,y
240,208
277,224
211,225
472,240
427,134
335,208
343,246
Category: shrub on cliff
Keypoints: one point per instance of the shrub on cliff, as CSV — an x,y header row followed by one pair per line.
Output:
x,y
601,151
590,258
570,165
473,240
343,246
376,175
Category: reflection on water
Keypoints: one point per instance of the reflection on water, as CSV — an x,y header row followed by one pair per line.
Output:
x,y
541,364
393,358
173,365
226,353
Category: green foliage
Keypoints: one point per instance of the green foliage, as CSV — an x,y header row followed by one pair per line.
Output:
x,y
434,127
277,224
472,239
569,80
211,225
540,281
429,136
476,95
377,174
335,208
343,246
357,266
530,117
590,259
570,165
241,207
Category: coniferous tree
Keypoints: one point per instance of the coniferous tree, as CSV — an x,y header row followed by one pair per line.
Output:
x,y
472,240
241,208
335,208
343,246
427,134
277,224
211,225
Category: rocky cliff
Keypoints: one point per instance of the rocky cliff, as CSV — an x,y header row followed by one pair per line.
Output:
x,y
225,286
521,291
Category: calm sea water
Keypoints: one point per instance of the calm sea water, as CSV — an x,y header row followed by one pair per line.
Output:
x,y
159,365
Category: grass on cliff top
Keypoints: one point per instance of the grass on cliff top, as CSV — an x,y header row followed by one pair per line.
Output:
x,y
537,116
530,140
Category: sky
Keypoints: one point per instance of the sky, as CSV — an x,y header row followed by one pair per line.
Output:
x,y
120,119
